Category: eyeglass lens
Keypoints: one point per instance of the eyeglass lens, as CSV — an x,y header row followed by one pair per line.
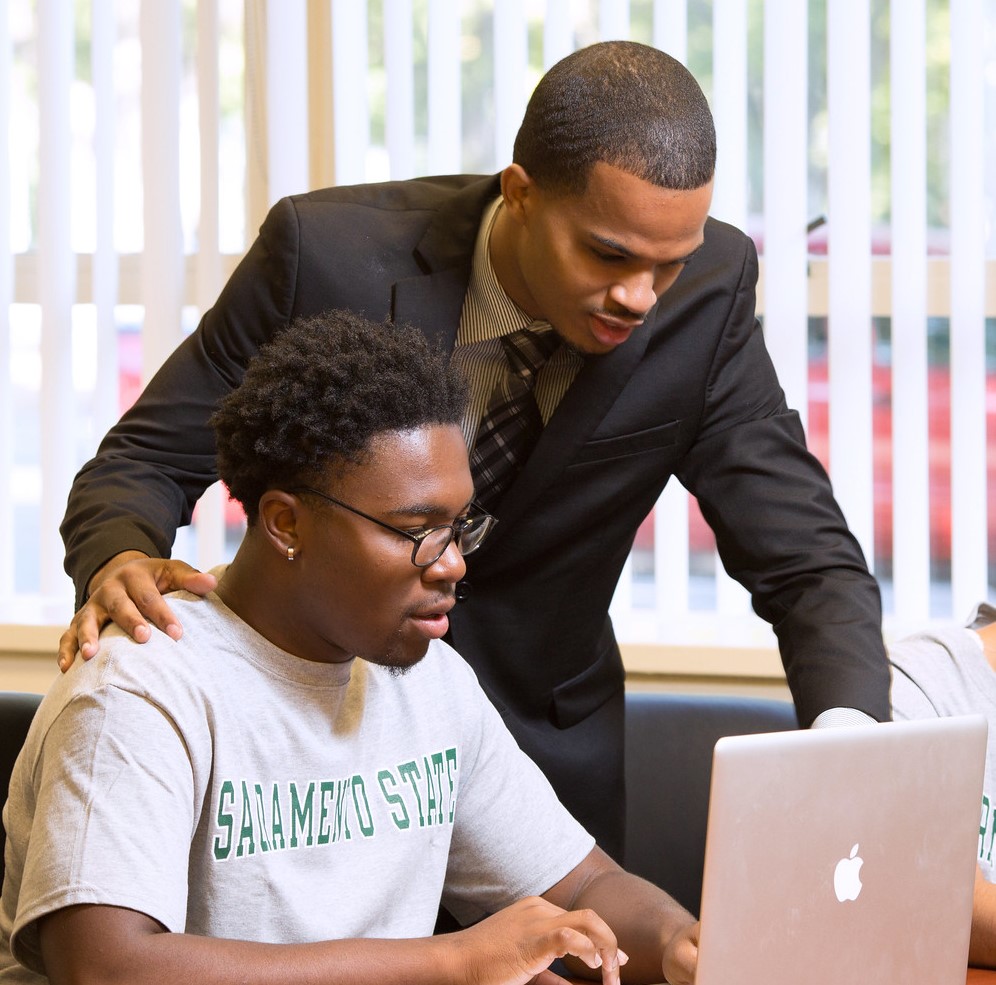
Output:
x,y
469,535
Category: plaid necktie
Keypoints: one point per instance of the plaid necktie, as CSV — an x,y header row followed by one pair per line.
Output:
x,y
512,423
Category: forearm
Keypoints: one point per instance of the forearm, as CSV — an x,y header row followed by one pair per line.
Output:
x,y
84,945
831,644
982,946
643,918
180,957
782,535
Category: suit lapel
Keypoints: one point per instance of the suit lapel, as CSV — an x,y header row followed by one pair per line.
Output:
x,y
433,302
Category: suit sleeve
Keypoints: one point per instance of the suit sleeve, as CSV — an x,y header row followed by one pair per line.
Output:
x,y
156,461
778,528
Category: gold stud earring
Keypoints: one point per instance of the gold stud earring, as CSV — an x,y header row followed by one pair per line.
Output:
x,y
290,553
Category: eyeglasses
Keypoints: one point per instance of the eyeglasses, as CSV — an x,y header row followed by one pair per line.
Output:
x,y
430,544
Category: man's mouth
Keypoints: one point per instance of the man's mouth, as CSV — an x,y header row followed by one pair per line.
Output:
x,y
433,622
611,330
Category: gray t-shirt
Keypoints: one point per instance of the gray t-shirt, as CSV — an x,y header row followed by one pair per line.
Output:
x,y
228,789
943,673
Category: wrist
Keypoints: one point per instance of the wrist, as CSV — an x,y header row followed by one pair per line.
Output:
x,y
451,958
107,567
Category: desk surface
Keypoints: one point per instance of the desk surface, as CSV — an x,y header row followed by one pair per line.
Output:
x,y
977,976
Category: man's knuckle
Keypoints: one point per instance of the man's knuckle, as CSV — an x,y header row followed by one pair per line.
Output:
x,y
115,605
146,599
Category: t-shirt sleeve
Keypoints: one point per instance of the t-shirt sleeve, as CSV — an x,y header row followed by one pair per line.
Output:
x,y
909,701
932,673
512,837
113,817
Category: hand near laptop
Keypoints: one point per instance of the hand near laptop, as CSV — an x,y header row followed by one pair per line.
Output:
x,y
613,927
129,590
517,945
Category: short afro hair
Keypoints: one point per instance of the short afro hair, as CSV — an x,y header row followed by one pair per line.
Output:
x,y
314,398
625,104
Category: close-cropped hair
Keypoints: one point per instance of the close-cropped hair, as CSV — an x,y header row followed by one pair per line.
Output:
x,y
314,397
622,103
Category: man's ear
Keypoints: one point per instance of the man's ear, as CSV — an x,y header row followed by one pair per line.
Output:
x,y
516,189
280,521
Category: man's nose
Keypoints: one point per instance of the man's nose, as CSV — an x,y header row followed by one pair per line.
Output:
x,y
449,566
635,293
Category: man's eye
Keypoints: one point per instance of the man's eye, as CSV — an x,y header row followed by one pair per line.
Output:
x,y
608,257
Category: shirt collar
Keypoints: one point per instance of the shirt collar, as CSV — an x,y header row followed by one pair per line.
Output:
x,y
488,311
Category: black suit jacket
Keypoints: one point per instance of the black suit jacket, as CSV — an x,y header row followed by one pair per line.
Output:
x,y
691,394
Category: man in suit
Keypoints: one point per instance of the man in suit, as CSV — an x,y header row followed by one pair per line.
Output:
x,y
599,229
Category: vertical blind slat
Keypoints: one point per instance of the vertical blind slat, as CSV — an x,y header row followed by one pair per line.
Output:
x,y
287,98
613,19
209,274
671,594
968,423
162,260
399,65
210,508
321,139
729,105
558,32
349,73
785,197
511,62
257,167
105,260
670,31
910,499
849,321
6,297
57,274
444,89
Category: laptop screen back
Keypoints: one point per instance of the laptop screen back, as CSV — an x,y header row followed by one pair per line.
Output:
x,y
842,855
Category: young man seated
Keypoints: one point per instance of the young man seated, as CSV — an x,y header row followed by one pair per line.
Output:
x,y
288,792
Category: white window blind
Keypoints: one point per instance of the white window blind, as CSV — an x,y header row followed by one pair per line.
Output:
x,y
155,154
910,473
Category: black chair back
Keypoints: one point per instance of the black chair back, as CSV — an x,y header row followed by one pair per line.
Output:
x,y
17,708
669,743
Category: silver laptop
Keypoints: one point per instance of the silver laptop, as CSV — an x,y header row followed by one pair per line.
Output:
x,y
843,855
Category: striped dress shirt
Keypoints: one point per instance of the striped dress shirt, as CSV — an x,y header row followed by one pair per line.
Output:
x,y
488,314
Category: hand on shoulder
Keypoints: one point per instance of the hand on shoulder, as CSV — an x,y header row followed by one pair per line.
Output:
x,y
128,591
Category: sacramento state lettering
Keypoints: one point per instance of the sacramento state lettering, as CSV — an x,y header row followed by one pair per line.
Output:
x,y
254,817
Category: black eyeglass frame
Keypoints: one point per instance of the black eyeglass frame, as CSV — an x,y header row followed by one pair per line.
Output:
x,y
456,529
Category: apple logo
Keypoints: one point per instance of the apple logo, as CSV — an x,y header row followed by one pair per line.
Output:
x,y
846,877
